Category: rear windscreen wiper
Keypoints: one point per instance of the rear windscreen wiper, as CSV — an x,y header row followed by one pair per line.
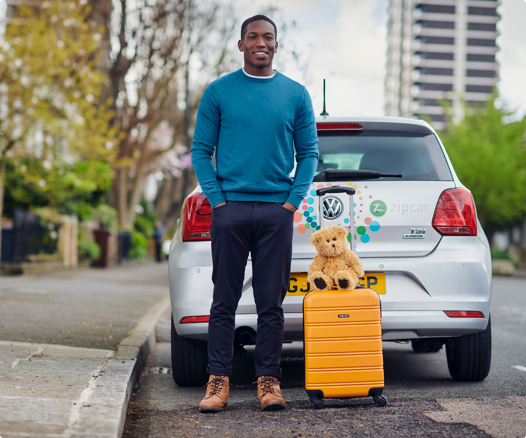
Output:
x,y
348,175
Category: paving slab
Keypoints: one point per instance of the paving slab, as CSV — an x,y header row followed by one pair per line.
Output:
x,y
50,390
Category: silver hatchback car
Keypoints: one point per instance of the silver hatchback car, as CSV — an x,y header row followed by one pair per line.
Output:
x,y
417,234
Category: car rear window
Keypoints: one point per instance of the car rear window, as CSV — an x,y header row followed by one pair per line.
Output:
x,y
416,155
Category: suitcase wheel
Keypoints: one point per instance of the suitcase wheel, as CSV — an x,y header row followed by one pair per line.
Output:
x,y
317,403
380,400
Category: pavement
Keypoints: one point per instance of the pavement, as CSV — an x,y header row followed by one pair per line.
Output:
x,y
72,345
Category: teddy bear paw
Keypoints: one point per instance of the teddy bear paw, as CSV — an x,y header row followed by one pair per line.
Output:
x,y
320,283
343,283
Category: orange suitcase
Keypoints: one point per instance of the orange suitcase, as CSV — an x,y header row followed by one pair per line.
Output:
x,y
343,338
343,345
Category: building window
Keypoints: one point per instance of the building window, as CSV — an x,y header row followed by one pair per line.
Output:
x,y
437,24
479,89
432,102
437,55
492,27
435,117
437,9
435,87
481,73
481,42
481,11
436,40
476,103
480,58
436,71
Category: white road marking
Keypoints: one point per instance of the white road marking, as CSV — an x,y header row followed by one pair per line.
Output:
x,y
520,368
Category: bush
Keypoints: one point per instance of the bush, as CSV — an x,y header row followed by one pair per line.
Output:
x,y
497,254
138,246
107,216
88,250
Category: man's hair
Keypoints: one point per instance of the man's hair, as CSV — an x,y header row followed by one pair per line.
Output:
x,y
257,18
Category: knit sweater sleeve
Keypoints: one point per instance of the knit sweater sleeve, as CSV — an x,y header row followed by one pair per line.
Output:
x,y
306,145
203,146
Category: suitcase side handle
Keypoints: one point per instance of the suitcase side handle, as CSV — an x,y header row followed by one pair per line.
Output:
x,y
323,191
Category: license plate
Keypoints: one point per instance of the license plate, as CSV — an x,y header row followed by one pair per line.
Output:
x,y
300,286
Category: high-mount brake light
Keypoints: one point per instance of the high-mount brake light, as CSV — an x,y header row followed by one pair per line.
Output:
x,y
339,126
463,314
197,218
455,214
190,319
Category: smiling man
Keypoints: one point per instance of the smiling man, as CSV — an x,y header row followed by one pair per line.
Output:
x,y
259,124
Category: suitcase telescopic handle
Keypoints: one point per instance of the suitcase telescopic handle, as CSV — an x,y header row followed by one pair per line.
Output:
x,y
323,191
350,191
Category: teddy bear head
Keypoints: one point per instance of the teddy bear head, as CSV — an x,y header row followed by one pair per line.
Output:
x,y
330,241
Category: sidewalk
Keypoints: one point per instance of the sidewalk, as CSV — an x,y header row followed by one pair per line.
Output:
x,y
72,345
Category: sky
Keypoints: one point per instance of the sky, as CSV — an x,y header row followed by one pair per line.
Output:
x,y
345,43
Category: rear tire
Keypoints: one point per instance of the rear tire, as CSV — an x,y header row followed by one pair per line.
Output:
x,y
430,345
469,356
189,360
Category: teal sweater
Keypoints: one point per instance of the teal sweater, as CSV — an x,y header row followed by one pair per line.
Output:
x,y
255,126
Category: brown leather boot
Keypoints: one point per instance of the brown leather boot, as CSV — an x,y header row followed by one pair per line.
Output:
x,y
216,394
269,393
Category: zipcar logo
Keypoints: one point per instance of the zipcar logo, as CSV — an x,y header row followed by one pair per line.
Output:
x,y
378,208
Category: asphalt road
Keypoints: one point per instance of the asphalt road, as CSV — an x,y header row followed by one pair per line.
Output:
x,y
423,400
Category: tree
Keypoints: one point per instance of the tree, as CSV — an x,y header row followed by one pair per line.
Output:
x,y
50,110
153,46
489,156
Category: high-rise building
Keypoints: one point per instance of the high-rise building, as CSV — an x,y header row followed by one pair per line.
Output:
x,y
440,49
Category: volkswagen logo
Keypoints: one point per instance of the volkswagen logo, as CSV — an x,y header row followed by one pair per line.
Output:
x,y
332,208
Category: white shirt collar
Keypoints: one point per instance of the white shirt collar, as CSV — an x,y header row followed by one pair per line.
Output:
x,y
259,77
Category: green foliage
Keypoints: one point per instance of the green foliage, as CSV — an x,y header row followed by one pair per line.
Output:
x,y
68,189
489,157
107,216
55,121
497,254
138,246
88,249
145,221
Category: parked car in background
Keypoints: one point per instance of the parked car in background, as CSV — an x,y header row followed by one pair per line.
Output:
x,y
417,234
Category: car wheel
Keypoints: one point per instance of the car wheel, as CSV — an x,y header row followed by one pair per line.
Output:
x,y
426,345
189,360
469,356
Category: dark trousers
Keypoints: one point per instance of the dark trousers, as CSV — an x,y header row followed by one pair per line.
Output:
x,y
265,230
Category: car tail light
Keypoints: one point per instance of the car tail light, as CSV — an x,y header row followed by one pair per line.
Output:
x,y
197,218
463,314
338,126
190,319
455,214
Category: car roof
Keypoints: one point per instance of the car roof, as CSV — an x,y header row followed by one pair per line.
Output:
x,y
382,123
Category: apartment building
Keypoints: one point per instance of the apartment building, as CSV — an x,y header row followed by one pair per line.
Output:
x,y
440,49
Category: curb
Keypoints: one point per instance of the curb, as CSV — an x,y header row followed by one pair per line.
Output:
x,y
105,401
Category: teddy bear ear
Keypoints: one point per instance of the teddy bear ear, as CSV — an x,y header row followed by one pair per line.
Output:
x,y
315,238
342,232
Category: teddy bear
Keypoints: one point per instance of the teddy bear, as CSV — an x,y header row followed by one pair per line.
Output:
x,y
335,265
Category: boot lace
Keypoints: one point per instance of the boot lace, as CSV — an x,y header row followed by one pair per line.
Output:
x,y
266,383
217,385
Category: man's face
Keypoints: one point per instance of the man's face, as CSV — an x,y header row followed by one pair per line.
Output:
x,y
259,45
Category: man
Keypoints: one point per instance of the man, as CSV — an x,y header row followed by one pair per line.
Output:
x,y
254,120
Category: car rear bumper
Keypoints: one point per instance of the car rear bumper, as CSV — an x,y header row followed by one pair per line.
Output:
x,y
396,325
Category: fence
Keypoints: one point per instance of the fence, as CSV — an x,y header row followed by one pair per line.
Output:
x,y
28,237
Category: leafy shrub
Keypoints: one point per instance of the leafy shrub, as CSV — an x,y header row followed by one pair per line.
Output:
x,y
88,250
138,246
498,254
107,216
